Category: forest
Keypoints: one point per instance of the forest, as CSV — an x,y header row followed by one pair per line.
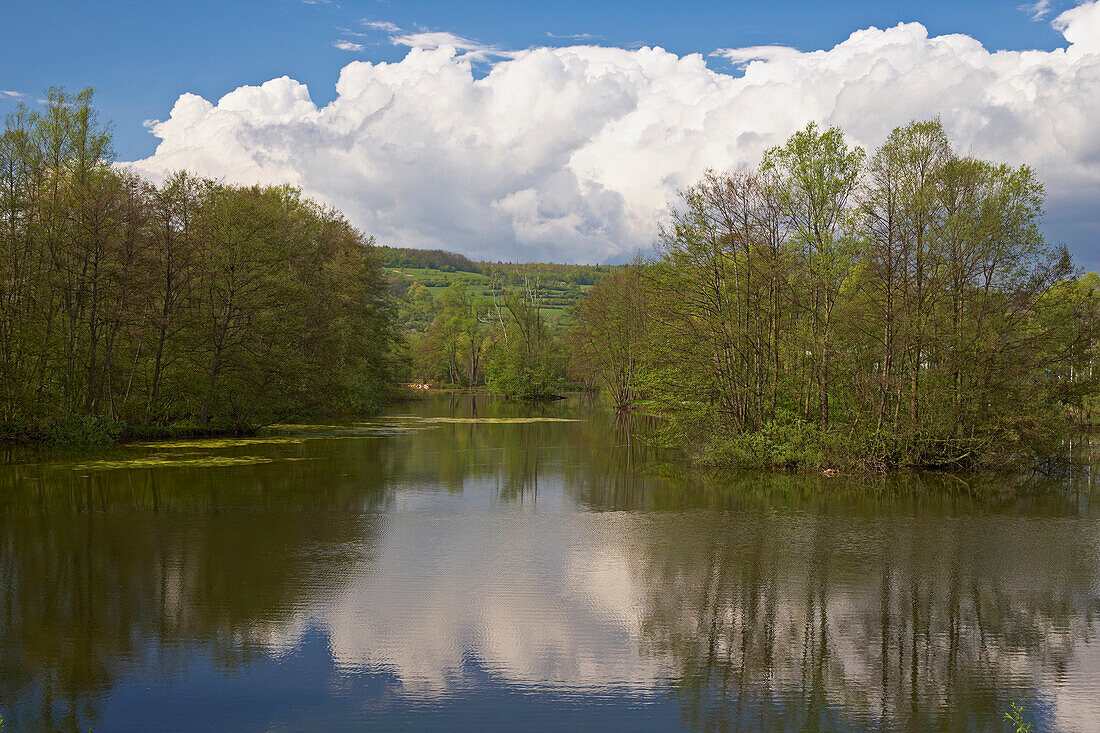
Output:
x,y
435,259
824,308
128,307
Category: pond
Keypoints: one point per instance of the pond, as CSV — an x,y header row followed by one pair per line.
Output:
x,y
466,563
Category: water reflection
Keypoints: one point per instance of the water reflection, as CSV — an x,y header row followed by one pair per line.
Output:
x,y
412,573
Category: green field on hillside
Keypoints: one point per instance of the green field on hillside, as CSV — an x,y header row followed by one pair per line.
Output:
x,y
433,278
560,287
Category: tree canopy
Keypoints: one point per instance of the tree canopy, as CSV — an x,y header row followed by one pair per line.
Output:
x,y
124,302
826,308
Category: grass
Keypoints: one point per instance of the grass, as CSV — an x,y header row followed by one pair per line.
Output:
x,y
438,278
558,297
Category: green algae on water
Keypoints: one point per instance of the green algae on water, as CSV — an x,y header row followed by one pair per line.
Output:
x,y
489,420
161,461
214,443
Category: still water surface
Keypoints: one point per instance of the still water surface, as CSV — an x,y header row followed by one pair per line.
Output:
x,y
442,568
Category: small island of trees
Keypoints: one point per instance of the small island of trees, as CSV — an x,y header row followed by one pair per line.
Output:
x,y
825,309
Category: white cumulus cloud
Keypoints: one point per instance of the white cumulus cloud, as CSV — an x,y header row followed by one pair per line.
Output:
x,y
382,25
741,56
573,153
470,49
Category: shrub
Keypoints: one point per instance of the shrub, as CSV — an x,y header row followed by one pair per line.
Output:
x,y
75,430
785,442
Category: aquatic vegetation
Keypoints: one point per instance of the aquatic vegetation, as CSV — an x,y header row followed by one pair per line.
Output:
x,y
163,461
1016,717
491,420
371,429
214,443
305,426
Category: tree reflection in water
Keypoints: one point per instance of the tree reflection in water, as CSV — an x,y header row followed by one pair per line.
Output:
x,y
559,556
116,571
918,601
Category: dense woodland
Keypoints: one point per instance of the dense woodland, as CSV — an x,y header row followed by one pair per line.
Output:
x,y
126,305
830,309
824,308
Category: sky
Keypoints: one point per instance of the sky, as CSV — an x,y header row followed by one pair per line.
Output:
x,y
559,130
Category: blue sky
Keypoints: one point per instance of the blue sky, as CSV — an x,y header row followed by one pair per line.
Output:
x,y
140,55
552,130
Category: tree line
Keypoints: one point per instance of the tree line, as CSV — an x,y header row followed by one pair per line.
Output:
x,y
435,259
125,303
825,308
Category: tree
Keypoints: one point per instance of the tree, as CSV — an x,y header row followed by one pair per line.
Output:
x,y
607,341
524,357
818,174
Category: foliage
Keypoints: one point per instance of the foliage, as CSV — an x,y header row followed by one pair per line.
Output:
x,y
452,350
126,304
780,443
828,310
606,341
69,430
525,359
499,337
562,288
427,258
1016,718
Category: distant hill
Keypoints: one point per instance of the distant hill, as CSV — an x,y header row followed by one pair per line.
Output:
x,y
561,286
420,259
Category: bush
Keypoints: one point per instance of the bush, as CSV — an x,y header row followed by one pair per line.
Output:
x,y
75,430
785,442
791,443
185,429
